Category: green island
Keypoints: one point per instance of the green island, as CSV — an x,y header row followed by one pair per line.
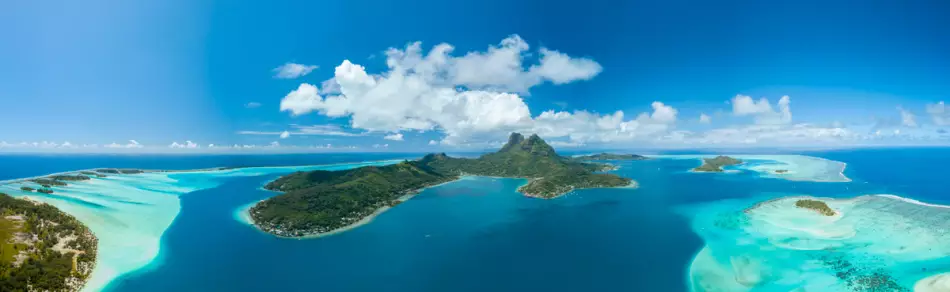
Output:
x,y
318,202
27,189
816,205
716,164
92,173
611,156
119,171
42,248
781,171
47,182
68,177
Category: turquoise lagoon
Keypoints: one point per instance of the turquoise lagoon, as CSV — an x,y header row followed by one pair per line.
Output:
x,y
128,213
680,231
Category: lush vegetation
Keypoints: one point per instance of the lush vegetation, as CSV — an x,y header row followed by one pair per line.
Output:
x,y
92,173
42,248
68,177
26,189
611,156
549,187
57,180
321,201
119,171
716,164
551,175
816,205
46,182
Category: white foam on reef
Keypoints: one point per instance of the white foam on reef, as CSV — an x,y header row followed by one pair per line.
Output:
x,y
128,213
912,201
777,246
796,167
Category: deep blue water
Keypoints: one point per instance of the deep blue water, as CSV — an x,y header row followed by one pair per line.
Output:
x,y
475,235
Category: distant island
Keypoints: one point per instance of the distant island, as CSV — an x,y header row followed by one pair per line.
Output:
x,y
42,248
610,156
716,164
119,171
816,205
318,202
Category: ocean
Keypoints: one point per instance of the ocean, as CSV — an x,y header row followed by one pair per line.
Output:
x,y
476,234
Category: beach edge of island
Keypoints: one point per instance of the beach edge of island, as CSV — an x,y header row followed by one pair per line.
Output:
x,y
148,265
243,215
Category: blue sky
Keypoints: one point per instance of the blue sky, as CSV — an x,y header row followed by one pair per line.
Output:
x,y
153,76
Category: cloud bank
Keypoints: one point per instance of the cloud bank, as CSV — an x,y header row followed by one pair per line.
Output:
x,y
471,98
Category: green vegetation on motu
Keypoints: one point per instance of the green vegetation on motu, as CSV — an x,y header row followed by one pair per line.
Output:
x,y
58,180
46,182
68,177
42,248
119,170
26,189
816,205
320,201
611,156
92,173
716,164
551,174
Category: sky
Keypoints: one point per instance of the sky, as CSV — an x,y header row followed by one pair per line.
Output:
x,y
423,75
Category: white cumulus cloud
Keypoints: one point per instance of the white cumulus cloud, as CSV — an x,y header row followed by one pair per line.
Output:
x,y
705,119
284,135
588,127
394,137
774,135
473,98
743,105
131,145
292,70
186,145
302,100
560,68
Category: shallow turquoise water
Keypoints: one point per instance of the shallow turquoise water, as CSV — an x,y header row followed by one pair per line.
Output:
x,y
479,234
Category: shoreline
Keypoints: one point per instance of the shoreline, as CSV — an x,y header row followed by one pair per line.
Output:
x,y
926,280
196,170
244,215
846,200
632,185
841,177
76,281
106,270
